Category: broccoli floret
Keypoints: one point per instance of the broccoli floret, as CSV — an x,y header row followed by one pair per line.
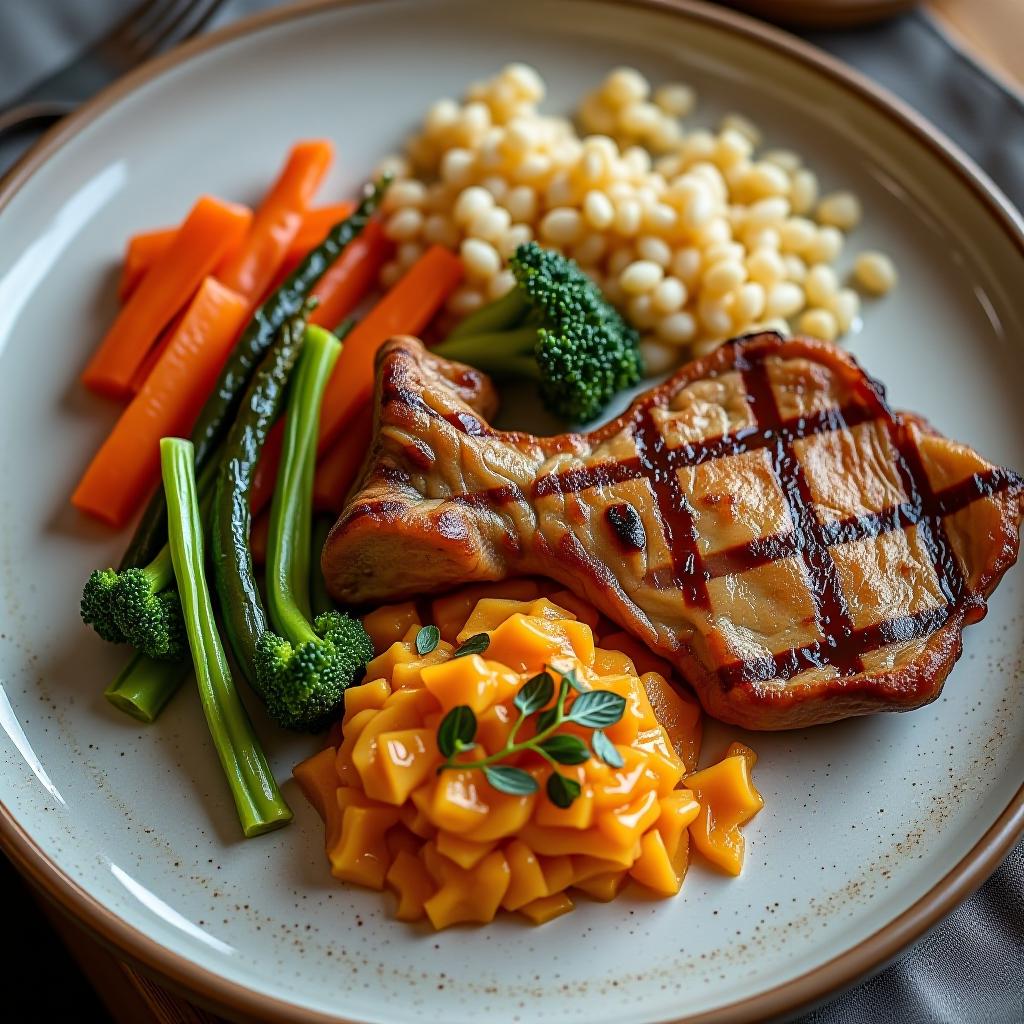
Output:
x,y
556,327
97,605
304,684
138,606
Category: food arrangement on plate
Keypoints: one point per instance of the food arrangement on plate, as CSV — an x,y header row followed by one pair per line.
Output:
x,y
528,628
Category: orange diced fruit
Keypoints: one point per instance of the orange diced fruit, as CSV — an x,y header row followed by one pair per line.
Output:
x,y
654,868
678,811
366,695
679,714
383,666
390,623
604,887
406,759
361,855
463,852
558,872
613,663
473,895
411,883
489,613
466,680
526,881
547,908
318,779
727,800
583,610
625,825
527,644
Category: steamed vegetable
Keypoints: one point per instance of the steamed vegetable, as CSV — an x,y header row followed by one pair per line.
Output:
x,y
300,670
145,685
278,220
222,407
556,327
406,309
210,230
127,466
258,801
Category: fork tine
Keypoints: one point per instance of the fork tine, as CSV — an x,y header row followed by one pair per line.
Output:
x,y
165,22
123,34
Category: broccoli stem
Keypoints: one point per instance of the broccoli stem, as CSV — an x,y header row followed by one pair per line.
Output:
x,y
499,315
145,685
291,512
258,800
507,353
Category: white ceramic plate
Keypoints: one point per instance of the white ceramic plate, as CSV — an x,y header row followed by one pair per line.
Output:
x,y
871,829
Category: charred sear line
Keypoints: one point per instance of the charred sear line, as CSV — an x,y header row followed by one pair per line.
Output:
x,y
627,526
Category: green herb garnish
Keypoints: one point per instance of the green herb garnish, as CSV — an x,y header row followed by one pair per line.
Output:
x,y
591,709
427,639
476,644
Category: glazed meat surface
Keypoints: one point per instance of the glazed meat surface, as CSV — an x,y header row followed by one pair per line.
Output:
x,y
762,520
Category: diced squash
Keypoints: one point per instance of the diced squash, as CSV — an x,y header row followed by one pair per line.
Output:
x,y
390,623
654,868
624,825
361,855
406,759
466,680
455,848
547,908
409,880
603,888
369,695
613,663
473,895
641,655
526,881
727,799
463,852
680,715
318,779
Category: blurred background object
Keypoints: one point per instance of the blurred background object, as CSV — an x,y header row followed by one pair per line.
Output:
x,y
822,13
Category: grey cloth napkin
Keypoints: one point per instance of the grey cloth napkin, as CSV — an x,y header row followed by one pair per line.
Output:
x,y
970,968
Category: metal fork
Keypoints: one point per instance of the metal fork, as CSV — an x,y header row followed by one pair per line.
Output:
x,y
152,26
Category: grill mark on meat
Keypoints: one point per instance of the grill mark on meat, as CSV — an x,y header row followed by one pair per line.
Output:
x,y
832,612
841,645
674,511
817,655
627,526
763,550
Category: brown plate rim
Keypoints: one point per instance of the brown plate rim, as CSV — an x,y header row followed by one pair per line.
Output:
x,y
244,1003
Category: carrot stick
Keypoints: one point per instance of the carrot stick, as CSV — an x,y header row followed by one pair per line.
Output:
x,y
277,221
141,252
315,225
343,287
128,464
406,309
154,354
209,231
336,471
145,248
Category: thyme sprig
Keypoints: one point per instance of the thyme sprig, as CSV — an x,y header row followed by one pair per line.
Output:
x,y
591,709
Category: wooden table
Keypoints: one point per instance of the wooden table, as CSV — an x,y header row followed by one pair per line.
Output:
x,y
990,31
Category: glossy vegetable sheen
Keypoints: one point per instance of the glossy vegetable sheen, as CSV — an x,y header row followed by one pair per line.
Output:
x,y
222,406
258,801
240,602
211,229
451,846
127,466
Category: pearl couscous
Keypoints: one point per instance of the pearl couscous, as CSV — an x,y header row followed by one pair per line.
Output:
x,y
691,233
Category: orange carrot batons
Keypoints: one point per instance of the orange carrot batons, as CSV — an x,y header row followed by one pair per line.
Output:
x,y
406,309
354,273
315,225
141,252
278,220
127,466
211,229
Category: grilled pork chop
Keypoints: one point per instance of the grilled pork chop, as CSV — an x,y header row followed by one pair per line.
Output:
x,y
762,520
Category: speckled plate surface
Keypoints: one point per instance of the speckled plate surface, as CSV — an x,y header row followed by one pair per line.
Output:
x,y
871,829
